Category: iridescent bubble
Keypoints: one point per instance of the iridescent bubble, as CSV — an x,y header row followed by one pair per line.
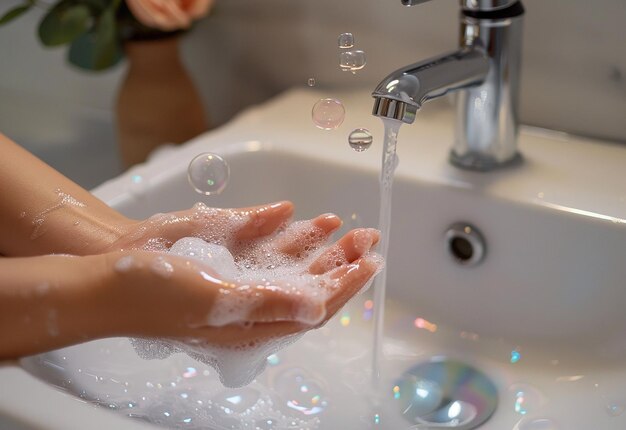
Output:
x,y
351,61
537,424
301,392
360,139
346,40
208,173
526,398
311,82
328,114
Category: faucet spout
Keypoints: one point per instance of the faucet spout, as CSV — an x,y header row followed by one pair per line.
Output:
x,y
484,70
404,91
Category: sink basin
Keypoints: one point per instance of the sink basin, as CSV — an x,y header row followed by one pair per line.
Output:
x,y
541,315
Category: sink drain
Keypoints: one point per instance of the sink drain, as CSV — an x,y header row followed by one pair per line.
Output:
x,y
465,244
445,393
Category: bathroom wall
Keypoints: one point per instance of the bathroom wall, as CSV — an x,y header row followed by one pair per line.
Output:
x,y
574,67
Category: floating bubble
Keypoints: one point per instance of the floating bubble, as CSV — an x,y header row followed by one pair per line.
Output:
x,y
346,40
301,392
352,60
537,424
360,139
208,173
328,114
311,82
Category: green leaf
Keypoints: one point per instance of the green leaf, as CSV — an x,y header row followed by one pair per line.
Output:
x,y
100,48
98,5
14,13
64,23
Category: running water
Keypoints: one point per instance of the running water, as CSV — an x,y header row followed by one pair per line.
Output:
x,y
390,161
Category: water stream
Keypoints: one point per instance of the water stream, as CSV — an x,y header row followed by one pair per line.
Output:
x,y
389,163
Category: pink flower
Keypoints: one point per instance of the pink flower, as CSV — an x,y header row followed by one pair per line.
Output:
x,y
168,15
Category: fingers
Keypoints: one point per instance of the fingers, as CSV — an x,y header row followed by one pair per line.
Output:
x,y
264,220
306,236
350,247
350,280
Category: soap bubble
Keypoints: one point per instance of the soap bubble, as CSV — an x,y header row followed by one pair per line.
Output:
x,y
537,424
328,114
352,60
311,82
346,40
360,139
208,173
301,392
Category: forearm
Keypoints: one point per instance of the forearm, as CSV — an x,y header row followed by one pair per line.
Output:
x,y
43,212
53,301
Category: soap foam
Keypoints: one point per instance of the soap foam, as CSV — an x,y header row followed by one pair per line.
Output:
x,y
255,271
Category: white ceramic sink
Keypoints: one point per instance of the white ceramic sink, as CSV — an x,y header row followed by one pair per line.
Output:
x,y
542,315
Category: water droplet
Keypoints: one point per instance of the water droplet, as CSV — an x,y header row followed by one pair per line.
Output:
x,y
328,114
352,60
360,139
208,173
515,356
311,82
346,40
615,409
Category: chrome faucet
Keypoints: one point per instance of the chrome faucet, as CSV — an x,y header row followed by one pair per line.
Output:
x,y
485,69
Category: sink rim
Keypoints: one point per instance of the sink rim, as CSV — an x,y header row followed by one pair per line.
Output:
x,y
255,125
